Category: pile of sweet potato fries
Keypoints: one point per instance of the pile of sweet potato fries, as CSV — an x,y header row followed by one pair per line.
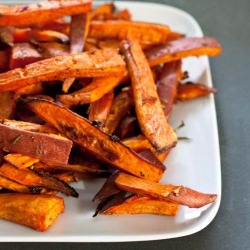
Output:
x,y
90,97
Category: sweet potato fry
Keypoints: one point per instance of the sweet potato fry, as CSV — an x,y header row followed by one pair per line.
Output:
x,y
4,60
140,143
119,29
143,205
79,29
37,13
176,194
49,50
20,161
35,179
121,15
14,186
104,44
167,85
59,25
99,110
92,92
105,62
33,89
190,91
35,211
46,147
121,105
23,54
103,146
7,105
67,177
148,107
181,48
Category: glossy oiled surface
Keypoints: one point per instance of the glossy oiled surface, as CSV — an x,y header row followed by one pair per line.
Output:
x,y
227,20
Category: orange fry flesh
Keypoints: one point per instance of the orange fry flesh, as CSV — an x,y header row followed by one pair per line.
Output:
x,y
35,211
119,29
143,205
38,13
20,161
176,194
190,91
92,92
103,146
104,62
150,115
181,48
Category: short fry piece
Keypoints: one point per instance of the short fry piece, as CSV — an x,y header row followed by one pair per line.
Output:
x,y
37,13
46,147
35,211
20,161
99,110
176,194
121,105
181,48
167,85
119,29
148,107
190,91
103,146
35,179
92,92
104,62
143,205
23,54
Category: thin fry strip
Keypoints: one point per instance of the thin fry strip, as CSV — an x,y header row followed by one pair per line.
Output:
x,y
167,85
92,92
99,110
104,62
31,179
35,211
103,146
190,91
148,107
142,205
20,161
42,12
120,29
176,194
184,47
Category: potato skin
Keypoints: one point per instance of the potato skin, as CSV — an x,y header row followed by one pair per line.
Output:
x,y
38,212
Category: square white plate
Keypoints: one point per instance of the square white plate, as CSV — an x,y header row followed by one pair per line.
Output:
x,y
194,164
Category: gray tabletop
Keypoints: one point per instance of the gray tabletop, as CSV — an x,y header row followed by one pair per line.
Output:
x,y
229,22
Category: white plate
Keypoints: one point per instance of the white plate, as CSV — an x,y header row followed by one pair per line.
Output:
x,y
195,164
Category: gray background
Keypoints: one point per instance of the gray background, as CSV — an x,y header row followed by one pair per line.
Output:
x,y
229,22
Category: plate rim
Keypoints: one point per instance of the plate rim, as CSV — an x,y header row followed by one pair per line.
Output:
x,y
214,207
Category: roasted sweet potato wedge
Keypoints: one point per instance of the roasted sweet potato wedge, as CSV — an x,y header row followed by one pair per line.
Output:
x,y
23,54
103,44
59,25
4,60
121,105
150,115
7,105
92,92
119,29
143,205
35,179
176,194
99,63
37,13
167,85
103,146
181,48
14,186
49,50
190,91
34,89
35,211
20,161
46,147
99,110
